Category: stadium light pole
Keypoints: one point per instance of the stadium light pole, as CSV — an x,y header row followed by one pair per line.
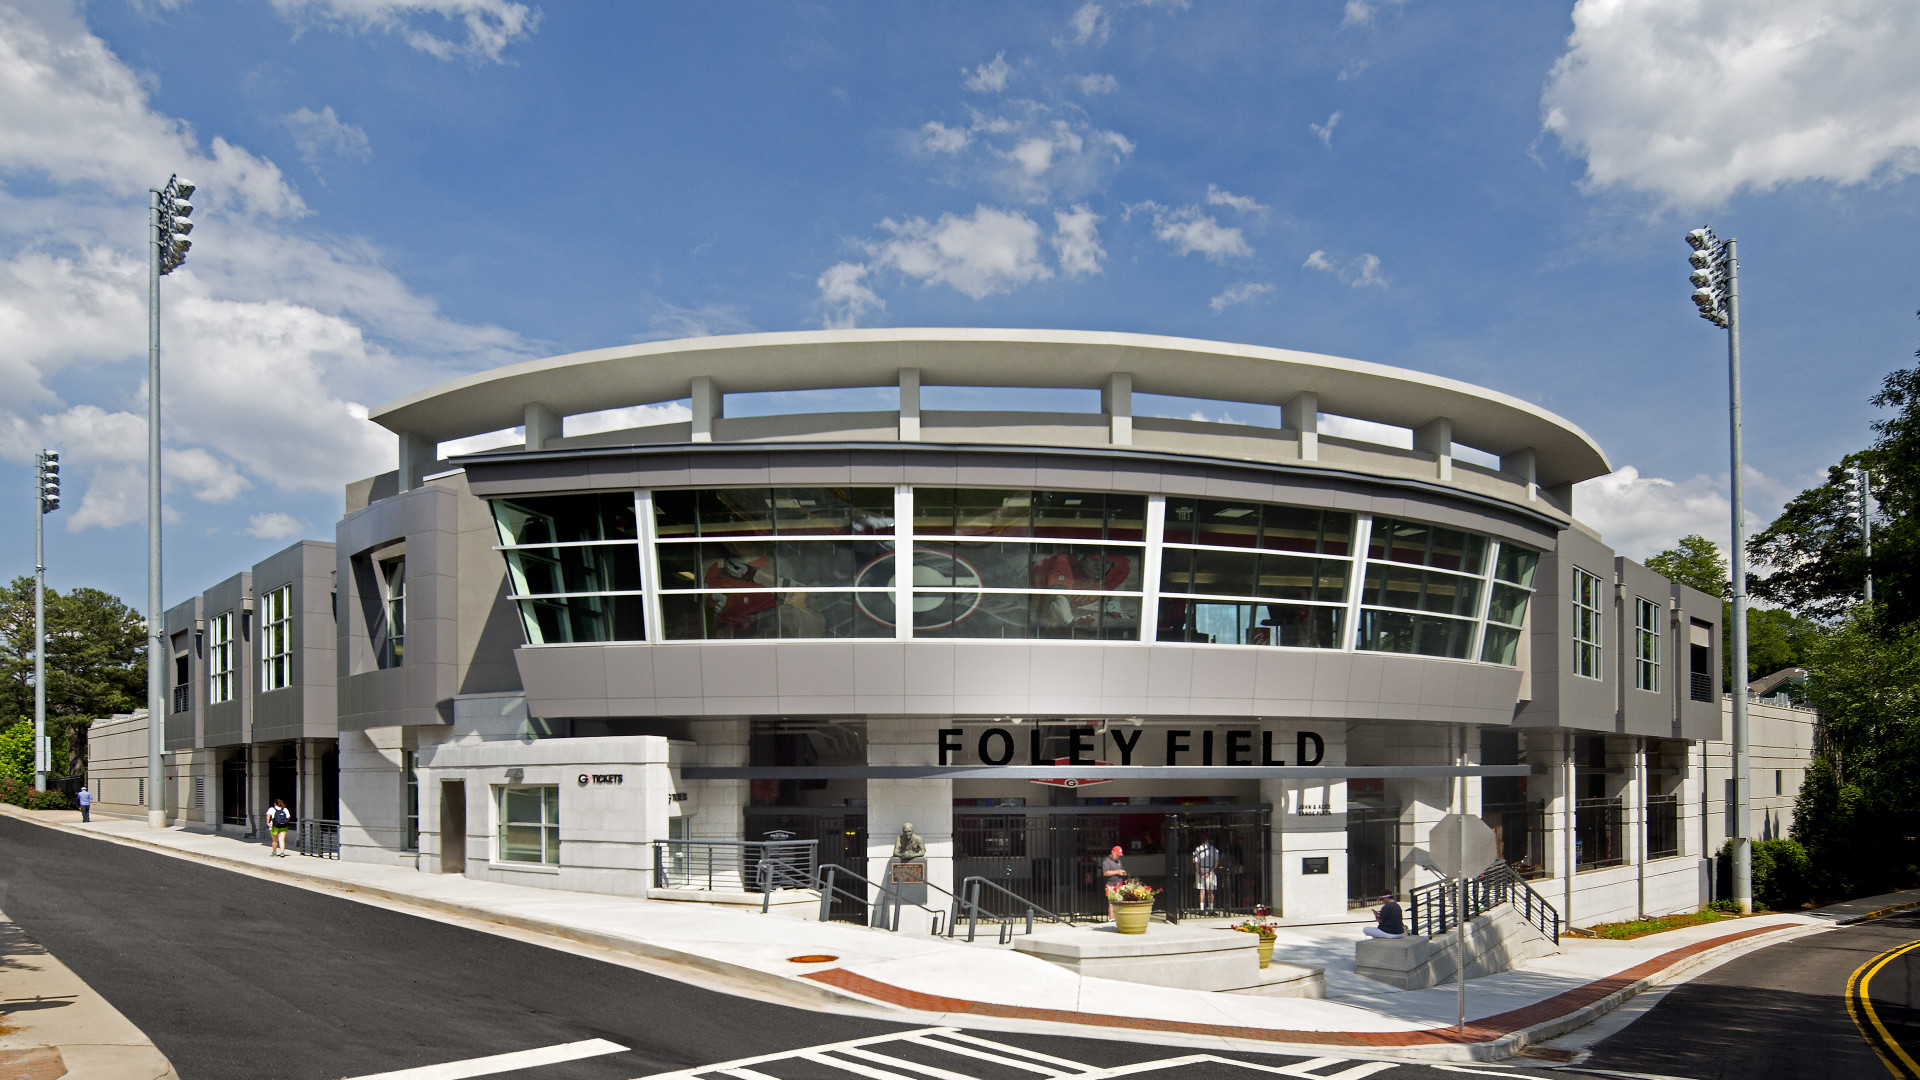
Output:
x,y
46,499
1716,279
1860,488
167,246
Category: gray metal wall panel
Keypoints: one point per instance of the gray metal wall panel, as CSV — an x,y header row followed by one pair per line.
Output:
x,y
1701,719
1561,698
1642,712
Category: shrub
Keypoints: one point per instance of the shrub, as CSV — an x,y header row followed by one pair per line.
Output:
x,y
20,793
1782,874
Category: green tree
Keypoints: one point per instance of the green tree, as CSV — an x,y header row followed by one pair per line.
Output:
x,y
1694,562
1859,824
16,751
1896,545
1775,639
96,662
1819,566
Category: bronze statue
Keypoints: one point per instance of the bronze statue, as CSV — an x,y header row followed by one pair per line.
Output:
x,y
908,847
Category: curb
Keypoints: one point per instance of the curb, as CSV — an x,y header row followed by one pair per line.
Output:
x,y
840,988
813,994
1889,910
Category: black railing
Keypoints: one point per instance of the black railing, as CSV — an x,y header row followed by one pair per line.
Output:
x,y
182,698
1434,908
1598,837
734,865
1663,826
319,838
1702,686
969,900
1520,833
883,912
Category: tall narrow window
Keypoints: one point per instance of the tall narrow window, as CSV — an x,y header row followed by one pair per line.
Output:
x,y
1586,624
393,574
276,639
220,658
1646,645
413,801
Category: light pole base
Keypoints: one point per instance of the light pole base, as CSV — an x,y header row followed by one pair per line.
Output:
x,y
156,819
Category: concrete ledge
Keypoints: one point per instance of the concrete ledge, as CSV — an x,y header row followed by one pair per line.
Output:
x,y
781,898
1186,959
1496,940
1288,980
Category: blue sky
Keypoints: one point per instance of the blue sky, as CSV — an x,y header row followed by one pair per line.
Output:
x,y
394,192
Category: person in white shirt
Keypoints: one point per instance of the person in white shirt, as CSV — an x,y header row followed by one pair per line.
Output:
x,y
1206,871
279,819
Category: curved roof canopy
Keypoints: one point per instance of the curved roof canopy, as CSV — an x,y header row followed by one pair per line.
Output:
x,y
828,359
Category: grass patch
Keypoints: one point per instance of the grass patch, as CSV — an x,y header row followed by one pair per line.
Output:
x,y
1626,931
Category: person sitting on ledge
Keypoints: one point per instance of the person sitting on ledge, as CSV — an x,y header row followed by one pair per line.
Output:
x,y
1390,923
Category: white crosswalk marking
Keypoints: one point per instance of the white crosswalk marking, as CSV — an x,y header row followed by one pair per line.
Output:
x,y
867,1059
499,1063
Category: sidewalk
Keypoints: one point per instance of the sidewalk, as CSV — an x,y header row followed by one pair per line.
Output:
x,y
54,1025
983,985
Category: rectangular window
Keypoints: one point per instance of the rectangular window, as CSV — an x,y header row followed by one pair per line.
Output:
x,y
1663,826
777,562
220,658
1646,645
393,578
276,639
1507,604
1250,573
573,566
412,842
1596,834
530,825
1027,564
1586,624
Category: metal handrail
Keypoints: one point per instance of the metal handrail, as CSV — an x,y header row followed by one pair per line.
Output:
x,y
728,865
884,909
970,888
320,838
1433,908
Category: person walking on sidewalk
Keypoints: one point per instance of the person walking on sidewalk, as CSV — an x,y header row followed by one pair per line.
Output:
x,y
278,820
85,799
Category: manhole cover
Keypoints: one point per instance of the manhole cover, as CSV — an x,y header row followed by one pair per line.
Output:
x,y
812,958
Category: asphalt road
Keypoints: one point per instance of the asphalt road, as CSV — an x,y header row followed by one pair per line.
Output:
x,y
1781,1013
237,977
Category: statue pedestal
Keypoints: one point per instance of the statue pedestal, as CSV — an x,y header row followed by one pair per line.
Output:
x,y
909,879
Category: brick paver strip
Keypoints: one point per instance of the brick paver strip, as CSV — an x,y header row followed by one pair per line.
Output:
x,y
1482,1030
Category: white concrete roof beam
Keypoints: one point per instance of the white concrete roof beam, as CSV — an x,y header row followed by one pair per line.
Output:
x,y
909,404
1116,400
708,403
543,425
1436,437
1301,414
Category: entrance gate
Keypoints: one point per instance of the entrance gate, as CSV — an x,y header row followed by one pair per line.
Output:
x,y
1051,855
842,833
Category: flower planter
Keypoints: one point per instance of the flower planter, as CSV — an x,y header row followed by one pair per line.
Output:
x,y
1266,951
1131,918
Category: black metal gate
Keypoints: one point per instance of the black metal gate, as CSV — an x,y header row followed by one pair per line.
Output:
x,y
1374,845
1051,855
842,834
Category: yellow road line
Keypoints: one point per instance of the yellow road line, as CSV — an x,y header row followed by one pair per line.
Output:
x,y
1857,990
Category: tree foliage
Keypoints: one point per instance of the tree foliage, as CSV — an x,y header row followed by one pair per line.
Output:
x,y
1814,550
1896,547
96,662
1695,562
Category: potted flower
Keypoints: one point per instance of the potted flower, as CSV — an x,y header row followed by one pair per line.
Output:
x,y
1132,902
1266,932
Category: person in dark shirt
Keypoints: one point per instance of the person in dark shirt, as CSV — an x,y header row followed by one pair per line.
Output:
x,y
1112,873
1389,923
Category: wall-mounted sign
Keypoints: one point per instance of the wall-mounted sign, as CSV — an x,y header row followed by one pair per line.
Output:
x,y
1072,781
601,778
1173,746
676,796
1315,864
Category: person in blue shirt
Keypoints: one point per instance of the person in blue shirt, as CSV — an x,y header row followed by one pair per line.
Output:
x,y
1389,922
85,799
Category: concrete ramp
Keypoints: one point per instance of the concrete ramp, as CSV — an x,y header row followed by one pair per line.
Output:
x,y
1496,940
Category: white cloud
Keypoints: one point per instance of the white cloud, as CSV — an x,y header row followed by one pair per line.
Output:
x,y
318,134
633,416
844,293
1324,132
1097,84
993,251
1642,515
1361,272
1076,241
1245,204
1693,101
275,525
1034,156
1362,12
990,77
938,138
1244,293
1091,24
490,25
1191,230
274,335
